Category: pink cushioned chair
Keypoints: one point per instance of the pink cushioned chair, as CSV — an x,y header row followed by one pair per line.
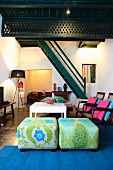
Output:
x,y
89,106
99,95
91,100
104,110
99,114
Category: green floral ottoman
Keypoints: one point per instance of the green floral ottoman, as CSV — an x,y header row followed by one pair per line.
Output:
x,y
38,133
78,133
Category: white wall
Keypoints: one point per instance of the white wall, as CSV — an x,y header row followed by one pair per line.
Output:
x,y
9,60
12,56
34,58
102,56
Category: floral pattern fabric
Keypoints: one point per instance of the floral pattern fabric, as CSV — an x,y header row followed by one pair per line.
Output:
x,y
78,133
38,133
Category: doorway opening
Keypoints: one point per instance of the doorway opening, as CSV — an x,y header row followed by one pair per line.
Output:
x,y
38,81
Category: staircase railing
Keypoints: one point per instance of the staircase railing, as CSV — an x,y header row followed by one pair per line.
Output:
x,y
71,68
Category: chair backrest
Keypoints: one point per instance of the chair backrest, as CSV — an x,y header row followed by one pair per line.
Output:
x,y
110,96
34,94
91,100
100,95
99,114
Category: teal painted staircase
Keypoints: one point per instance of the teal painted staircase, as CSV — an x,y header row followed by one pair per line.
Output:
x,y
65,67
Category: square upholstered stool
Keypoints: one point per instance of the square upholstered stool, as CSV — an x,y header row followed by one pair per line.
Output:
x,y
38,133
78,133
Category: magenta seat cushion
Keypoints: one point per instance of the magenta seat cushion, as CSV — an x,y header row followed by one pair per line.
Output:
x,y
90,100
98,114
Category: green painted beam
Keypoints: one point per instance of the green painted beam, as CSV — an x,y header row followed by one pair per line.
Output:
x,y
73,85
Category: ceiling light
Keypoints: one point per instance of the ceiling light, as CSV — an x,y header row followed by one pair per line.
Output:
x,y
68,11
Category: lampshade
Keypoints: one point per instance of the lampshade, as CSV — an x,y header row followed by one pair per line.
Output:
x,y
17,74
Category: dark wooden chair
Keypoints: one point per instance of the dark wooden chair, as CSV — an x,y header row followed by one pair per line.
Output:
x,y
84,101
40,96
48,94
109,121
32,97
100,95
98,108
110,96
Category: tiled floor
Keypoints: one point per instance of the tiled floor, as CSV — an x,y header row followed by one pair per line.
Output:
x,y
8,131
8,134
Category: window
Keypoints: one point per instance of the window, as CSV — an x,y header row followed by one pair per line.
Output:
x,y
89,71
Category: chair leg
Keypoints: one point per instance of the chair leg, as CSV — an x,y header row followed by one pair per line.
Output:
x,y
77,113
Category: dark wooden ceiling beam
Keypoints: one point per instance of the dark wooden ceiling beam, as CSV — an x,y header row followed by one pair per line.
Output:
x,y
55,4
48,20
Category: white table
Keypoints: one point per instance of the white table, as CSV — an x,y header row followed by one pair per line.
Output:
x,y
42,107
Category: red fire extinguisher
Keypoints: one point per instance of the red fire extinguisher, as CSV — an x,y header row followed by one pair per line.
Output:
x,y
20,85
